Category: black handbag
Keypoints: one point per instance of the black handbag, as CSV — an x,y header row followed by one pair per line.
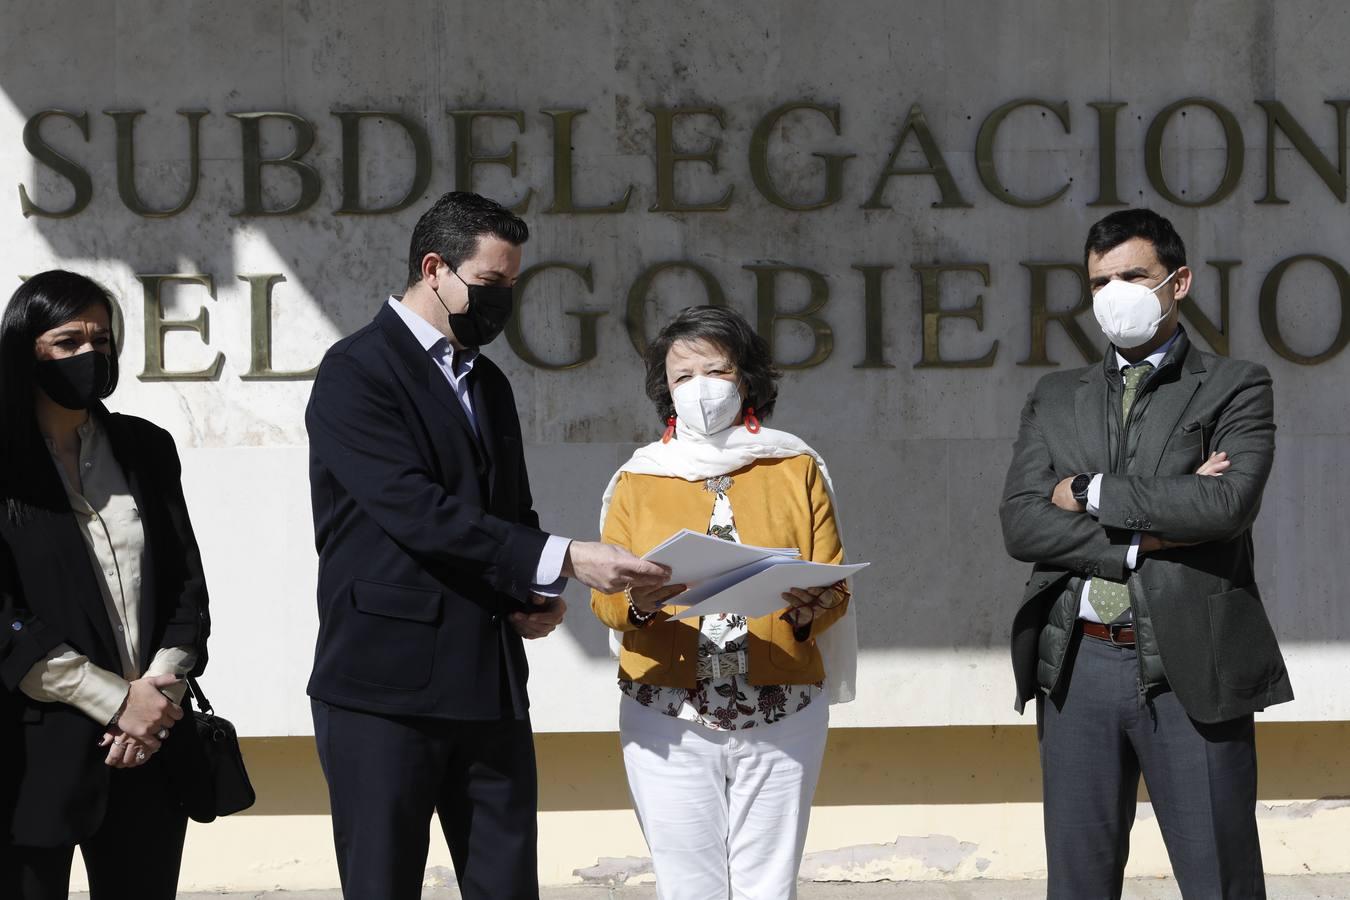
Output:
x,y
209,772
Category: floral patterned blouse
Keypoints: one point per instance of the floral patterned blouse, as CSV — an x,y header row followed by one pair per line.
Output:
x,y
728,703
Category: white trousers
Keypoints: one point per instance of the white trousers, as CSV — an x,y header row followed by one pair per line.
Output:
x,y
724,812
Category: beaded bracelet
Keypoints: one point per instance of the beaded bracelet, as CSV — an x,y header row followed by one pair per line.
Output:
x,y
638,617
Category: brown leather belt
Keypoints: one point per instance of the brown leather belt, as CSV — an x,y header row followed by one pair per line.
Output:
x,y
1120,635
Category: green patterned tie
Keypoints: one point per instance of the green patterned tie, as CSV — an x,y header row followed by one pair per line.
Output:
x,y
1111,599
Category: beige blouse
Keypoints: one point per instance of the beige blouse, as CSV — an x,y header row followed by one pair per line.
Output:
x,y
111,524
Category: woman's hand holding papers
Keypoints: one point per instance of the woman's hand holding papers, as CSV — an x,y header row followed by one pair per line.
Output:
x,y
806,602
648,600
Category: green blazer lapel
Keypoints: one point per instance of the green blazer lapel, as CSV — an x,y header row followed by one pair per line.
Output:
x,y
1090,416
1168,404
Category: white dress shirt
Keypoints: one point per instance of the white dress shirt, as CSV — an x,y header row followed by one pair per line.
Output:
x,y
456,365
1085,610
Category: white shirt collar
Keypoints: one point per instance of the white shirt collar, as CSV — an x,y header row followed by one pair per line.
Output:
x,y
428,336
1154,359
88,430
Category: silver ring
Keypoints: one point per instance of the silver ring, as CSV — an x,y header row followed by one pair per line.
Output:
x,y
117,741
140,756
162,733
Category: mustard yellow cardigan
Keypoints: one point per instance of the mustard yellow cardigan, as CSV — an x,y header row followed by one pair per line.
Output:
x,y
776,503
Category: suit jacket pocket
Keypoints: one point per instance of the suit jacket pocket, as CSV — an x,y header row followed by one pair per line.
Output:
x,y
1190,437
785,651
655,643
394,628
1184,453
1246,653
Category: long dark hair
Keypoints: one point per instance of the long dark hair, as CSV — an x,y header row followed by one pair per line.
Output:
x,y
43,302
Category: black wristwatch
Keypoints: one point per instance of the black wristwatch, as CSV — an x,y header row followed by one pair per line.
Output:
x,y
1079,488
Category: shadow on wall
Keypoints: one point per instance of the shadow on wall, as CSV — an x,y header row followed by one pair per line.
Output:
x,y
923,511
221,359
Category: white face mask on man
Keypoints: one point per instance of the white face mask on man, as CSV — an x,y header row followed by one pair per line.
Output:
x,y
707,405
1129,313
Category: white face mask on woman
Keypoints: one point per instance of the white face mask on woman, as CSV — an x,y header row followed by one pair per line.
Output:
x,y
707,405
1129,313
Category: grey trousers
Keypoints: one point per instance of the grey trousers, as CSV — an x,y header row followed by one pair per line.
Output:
x,y
1096,738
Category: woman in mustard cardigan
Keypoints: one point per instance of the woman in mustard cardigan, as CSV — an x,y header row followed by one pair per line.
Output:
x,y
723,718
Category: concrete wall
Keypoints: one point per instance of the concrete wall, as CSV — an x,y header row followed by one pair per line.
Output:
x,y
918,443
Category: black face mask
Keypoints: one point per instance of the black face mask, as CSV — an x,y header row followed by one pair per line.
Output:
x,y
490,307
76,382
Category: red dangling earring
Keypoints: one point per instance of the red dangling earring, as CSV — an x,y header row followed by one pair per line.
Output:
x,y
670,430
751,420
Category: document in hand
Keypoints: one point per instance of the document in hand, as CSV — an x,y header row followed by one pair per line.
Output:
x,y
727,577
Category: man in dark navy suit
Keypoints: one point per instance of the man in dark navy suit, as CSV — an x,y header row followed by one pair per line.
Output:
x,y
432,568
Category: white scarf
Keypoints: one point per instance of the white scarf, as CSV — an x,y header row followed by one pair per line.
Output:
x,y
695,457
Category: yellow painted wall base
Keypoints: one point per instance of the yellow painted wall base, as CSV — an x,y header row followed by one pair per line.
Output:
x,y
893,803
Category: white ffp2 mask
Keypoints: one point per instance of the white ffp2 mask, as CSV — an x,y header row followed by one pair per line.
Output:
x,y
707,405
1129,313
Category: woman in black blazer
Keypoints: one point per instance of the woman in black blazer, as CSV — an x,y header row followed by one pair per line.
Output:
x,y
103,610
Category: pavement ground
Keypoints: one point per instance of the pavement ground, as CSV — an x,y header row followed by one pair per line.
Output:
x,y
1298,887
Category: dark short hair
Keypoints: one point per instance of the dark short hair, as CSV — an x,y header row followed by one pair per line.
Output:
x,y
1119,227
729,331
43,302
453,225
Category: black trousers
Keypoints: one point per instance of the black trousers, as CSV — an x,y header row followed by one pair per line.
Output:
x,y
387,775
136,852
1096,739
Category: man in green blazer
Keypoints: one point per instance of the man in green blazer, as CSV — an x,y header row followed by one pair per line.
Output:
x,y
1133,488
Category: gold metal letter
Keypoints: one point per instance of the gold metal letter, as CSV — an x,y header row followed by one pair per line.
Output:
x,y
1108,194
1270,320
466,159
874,337
930,289
45,153
351,161
589,344
1215,335
937,166
768,314
1278,117
984,152
260,331
126,161
759,160
1041,315
1232,172
667,157
156,327
635,316
563,201
250,129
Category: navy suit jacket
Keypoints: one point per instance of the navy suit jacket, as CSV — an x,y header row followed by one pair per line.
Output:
x,y
425,529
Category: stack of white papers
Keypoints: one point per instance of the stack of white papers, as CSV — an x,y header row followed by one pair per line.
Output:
x,y
727,577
